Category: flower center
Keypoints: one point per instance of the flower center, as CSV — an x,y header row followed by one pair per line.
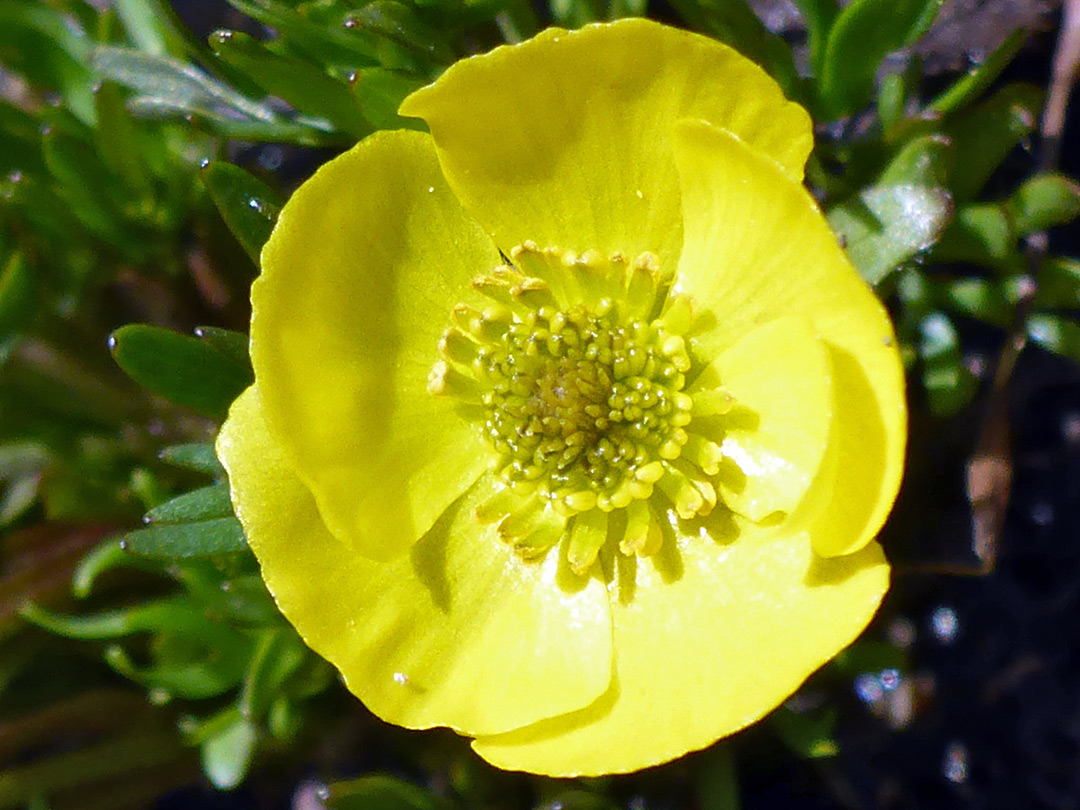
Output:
x,y
577,369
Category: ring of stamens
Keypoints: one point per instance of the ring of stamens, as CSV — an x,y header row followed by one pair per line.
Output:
x,y
578,365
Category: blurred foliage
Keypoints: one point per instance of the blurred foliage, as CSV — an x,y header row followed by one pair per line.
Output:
x,y
130,210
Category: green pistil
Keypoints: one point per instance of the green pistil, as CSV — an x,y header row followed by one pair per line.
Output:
x,y
579,365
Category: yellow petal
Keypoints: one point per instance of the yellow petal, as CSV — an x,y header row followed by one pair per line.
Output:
x,y
359,278
709,638
775,436
757,248
461,632
564,139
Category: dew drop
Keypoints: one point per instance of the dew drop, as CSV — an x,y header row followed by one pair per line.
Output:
x,y
431,190
955,765
256,205
945,624
868,688
204,163
890,679
401,678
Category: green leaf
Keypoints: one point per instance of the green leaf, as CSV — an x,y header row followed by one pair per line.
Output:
x,y
18,295
176,85
922,161
227,755
183,540
1055,333
248,206
38,42
279,653
117,139
379,93
185,370
1044,201
193,680
885,226
862,35
734,23
108,555
949,385
178,616
818,16
330,46
232,344
304,85
810,736
980,298
198,457
1059,284
400,24
980,77
381,792
149,26
984,134
205,503
981,234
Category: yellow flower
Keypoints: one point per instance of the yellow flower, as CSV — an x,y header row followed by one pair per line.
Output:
x,y
572,425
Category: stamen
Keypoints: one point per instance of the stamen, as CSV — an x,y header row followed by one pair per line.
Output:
x,y
643,535
587,537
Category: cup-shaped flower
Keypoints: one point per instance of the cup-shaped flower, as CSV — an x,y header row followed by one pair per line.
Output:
x,y
572,426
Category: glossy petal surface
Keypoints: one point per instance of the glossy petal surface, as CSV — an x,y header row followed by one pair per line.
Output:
x,y
359,277
757,248
454,633
774,438
765,614
564,139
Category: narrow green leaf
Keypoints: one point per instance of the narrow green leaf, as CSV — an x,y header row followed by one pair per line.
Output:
x,y
818,16
173,85
196,680
279,652
860,38
984,134
198,457
304,85
400,24
248,206
204,503
980,77
379,93
1055,333
177,615
108,555
344,49
226,756
18,295
183,369
1044,201
885,226
182,540
149,27
117,139
381,792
